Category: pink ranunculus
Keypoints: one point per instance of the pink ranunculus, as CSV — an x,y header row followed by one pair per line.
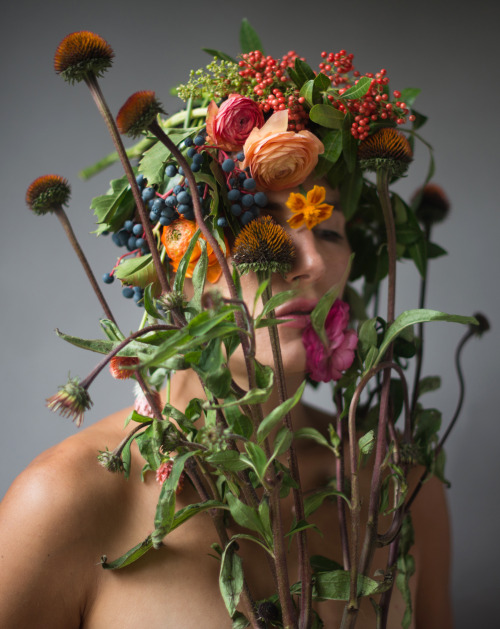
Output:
x,y
280,159
327,363
229,125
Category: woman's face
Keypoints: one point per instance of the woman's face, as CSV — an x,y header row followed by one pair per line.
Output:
x,y
322,256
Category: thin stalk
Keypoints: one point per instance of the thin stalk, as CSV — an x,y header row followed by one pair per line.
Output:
x,y
420,334
63,218
385,599
340,477
381,447
103,108
305,573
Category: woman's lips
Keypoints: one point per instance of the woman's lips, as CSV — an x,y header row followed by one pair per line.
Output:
x,y
297,311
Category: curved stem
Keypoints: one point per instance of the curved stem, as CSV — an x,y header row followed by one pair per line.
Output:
x,y
340,477
63,218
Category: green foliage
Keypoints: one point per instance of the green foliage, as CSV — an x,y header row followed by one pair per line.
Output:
x,y
231,578
114,208
249,40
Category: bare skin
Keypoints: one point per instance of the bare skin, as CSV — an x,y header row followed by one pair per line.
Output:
x,y
65,511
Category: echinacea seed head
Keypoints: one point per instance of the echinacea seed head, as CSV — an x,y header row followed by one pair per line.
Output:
x,y
387,148
138,112
47,193
81,54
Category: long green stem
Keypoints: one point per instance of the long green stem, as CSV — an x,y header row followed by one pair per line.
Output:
x,y
63,218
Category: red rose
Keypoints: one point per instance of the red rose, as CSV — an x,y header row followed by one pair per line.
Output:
x,y
229,125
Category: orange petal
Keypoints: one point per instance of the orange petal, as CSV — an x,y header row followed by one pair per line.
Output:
x,y
297,220
214,272
296,202
316,195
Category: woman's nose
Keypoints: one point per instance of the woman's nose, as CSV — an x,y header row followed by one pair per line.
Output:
x,y
309,265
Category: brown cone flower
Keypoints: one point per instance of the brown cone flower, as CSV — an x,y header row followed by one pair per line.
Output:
x,y
387,148
72,401
48,193
137,113
82,54
433,205
263,245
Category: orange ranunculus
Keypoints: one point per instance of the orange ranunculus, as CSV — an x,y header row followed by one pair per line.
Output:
x,y
229,125
309,210
176,238
280,159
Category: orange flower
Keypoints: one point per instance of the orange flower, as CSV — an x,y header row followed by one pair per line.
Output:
x,y
310,210
82,54
138,112
176,238
118,366
280,159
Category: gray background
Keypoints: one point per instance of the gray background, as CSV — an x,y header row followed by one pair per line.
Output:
x,y
446,49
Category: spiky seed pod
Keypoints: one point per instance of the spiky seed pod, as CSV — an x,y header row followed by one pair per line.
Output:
x,y
119,366
47,193
138,112
433,205
81,54
110,461
263,245
387,148
172,300
72,401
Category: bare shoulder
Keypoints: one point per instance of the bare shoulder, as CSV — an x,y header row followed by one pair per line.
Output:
x,y
53,521
433,542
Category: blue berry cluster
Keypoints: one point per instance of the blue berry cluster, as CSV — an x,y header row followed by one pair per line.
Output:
x,y
246,203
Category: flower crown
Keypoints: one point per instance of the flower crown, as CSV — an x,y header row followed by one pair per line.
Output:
x,y
251,125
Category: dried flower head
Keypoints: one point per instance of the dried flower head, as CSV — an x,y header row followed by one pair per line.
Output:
x,y
263,245
72,400
82,54
119,366
110,461
138,112
433,204
164,471
308,210
48,193
386,148
483,324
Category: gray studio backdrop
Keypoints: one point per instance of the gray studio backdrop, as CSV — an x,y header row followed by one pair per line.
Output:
x,y
49,127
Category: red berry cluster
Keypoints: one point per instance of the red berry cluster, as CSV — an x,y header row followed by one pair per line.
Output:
x,y
373,106
271,85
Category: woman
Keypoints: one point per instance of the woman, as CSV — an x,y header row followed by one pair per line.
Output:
x,y
65,515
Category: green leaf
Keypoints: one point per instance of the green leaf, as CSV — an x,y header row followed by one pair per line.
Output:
x,y
336,586
312,433
351,188
327,116
227,460
154,160
105,347
276,300
409,95
367,442
435,251
314,501
130,556
180,275
256,458
231,578
219,54
187,513
277,414
238,423
240,621
243,514
418,253
199,277
367,336
412,317
428,384
149,303
323,564
113,208
138,271
332,141
301,73
249,40
322,308
358,90
219,382
282,442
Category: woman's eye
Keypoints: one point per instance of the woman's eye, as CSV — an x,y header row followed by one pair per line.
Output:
x,y
329,234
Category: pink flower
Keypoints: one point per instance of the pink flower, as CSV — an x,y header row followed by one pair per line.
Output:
x,y
141,404
164,471
327,363
229,125
280,159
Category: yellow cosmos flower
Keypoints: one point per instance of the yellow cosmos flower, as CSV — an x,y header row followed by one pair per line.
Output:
x,y
309,210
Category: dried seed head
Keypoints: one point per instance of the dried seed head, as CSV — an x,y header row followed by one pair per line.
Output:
x,y
386,148
138,112
433,205
72,400
110,461
82,54
48,193
263,245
